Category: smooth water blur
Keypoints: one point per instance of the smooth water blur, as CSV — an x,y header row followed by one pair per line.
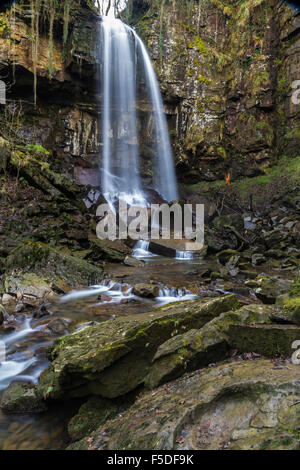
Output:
x,y
122,52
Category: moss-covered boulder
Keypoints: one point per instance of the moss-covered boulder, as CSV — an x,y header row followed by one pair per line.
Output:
x,y
20,397
113,358
198,348
239,405
92,414
267,340
49,263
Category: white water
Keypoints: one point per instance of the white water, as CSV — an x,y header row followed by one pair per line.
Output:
x,y
110,289
123,52
141,250
167,296
11,368
184,255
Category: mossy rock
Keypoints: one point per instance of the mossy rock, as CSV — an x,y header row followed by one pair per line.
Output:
x,y
291,310
267,340
108,250
198,348
20,397
29,284
92,414
114,357
267,289
51,264
246,404
39,174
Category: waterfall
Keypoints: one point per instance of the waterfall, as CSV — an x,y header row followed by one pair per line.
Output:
x,y
124,59
185,255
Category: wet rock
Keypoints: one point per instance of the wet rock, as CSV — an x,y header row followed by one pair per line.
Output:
x,y
61,287
198,348
42,310
92,414
205,273
243,405
58,326
146,290
20,397
108,250
113,358
133,262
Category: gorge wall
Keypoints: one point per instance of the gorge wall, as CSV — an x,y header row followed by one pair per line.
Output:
x,y
225,68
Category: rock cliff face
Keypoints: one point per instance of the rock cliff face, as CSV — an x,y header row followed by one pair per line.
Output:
x,y
226,69
65,119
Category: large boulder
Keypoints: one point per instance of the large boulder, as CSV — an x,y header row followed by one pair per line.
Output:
x,y
198,348
114,251
48,264
27,284
238,405
113,358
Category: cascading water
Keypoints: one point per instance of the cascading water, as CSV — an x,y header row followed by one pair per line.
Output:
x,y
124,57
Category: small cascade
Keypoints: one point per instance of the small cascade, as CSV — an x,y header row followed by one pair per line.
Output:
x,y
141,250
169,295
126,64
14,363
114,291
185,255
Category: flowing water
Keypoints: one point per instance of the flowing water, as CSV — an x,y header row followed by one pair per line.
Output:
x,y
125,63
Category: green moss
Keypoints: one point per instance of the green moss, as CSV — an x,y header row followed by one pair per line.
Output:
x,y
197,43
37,149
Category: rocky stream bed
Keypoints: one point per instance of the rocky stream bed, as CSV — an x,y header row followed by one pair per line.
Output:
x,y
186,354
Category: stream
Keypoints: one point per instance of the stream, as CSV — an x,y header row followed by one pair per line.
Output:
x,y
26,345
